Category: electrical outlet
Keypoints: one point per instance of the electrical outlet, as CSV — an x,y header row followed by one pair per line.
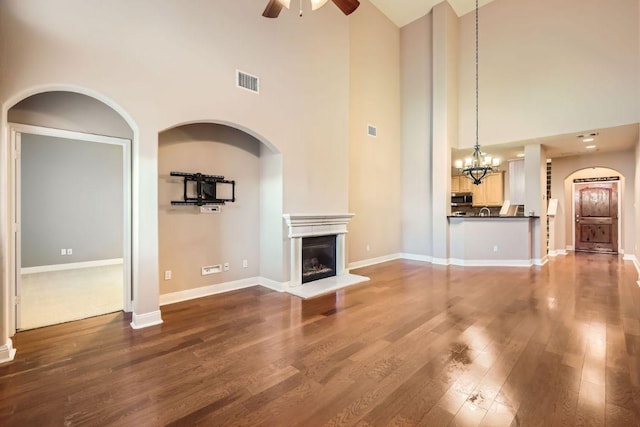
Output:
x,y
63,251
495,248
368,248
226,266
69,251
245,263
167,275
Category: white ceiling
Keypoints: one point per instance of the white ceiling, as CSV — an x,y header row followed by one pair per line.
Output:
x,y
402,12
618,138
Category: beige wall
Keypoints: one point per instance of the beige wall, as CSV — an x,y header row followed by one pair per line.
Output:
x,y
564,170
416,48
636,193
188,239
445,123
549,67
374,163
166,63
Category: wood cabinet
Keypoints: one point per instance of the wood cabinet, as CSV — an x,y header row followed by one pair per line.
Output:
x,y
490,192
461,184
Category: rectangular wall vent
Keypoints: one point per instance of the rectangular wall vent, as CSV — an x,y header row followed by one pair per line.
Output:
x,y
247,81
372,130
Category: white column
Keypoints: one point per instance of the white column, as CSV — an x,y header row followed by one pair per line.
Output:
x,y
535,169
296,262
340,255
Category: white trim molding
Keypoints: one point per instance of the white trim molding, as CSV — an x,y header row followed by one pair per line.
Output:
x,y
441,261
205,291
7,352
71,266
139,321
636,263
416,257
491,262
374,261
541,261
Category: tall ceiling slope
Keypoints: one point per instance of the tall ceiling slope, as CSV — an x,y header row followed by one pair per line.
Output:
x,y
402,12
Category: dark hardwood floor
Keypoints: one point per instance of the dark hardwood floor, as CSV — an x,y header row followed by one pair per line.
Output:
x,y
417,345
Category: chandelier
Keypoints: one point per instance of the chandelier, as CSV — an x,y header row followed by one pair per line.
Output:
x,y
479,164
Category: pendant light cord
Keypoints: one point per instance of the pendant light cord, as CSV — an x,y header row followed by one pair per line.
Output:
x,y
477,139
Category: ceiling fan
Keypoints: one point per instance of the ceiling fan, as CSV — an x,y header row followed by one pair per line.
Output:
x,y
275,6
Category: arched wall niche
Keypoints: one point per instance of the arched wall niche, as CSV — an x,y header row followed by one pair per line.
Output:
x,y
246,234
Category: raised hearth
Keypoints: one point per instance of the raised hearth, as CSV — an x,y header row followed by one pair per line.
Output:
x,y
314,225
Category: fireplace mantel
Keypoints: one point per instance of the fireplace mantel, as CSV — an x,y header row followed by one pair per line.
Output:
x,y
311,225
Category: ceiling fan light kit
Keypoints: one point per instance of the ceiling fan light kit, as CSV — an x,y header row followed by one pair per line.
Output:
x,y
275,6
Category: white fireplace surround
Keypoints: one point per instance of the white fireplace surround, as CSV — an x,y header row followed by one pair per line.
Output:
x,y
312,225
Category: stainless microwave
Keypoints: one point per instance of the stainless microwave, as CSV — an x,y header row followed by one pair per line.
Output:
x,y
461,199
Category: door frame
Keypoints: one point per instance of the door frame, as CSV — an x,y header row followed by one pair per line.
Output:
x,y
15,131
620,202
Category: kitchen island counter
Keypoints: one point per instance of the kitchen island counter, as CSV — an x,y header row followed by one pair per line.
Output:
x,y
491,240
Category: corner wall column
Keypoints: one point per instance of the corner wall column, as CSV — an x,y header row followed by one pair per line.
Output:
x,y
535,172
445,123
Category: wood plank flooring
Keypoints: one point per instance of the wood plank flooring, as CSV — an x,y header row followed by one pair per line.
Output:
x,y
419,344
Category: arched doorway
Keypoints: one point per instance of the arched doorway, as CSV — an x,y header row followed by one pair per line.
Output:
x,y
74,118
595,197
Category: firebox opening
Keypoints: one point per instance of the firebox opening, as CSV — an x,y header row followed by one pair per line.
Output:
x,y
318,258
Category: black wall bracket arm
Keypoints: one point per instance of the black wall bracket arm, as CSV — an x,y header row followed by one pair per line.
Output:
x,y
206,189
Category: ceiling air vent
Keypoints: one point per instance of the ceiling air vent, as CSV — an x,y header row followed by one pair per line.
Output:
x,y
372,130
247,81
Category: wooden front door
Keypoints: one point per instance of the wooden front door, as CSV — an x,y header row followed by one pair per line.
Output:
x,y
596,205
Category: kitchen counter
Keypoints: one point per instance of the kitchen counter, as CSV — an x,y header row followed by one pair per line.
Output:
x,y
490,217
491,240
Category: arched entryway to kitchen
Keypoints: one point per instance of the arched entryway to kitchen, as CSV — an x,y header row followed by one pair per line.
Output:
x,y
219,210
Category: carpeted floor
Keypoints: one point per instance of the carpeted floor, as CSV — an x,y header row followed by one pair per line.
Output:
x,y
63,296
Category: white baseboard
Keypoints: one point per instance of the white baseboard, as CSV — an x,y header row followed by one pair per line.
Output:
x,y
557,252
71,266
205,291
7,352
636,263
569,248
373,261
541,261
415,257
491,262
441,261
139,321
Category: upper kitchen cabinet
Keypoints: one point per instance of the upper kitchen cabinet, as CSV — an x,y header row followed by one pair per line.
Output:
x,y
461,184
490,192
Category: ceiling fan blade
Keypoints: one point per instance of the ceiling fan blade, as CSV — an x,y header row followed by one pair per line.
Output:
x,y
347,6
273,9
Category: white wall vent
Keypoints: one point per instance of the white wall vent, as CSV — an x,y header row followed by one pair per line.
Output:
x,y
372,130
247,81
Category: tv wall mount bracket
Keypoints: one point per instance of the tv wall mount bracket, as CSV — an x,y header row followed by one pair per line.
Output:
x,y
206,189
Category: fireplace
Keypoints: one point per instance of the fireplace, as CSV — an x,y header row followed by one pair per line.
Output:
x,y
318,254
318,258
